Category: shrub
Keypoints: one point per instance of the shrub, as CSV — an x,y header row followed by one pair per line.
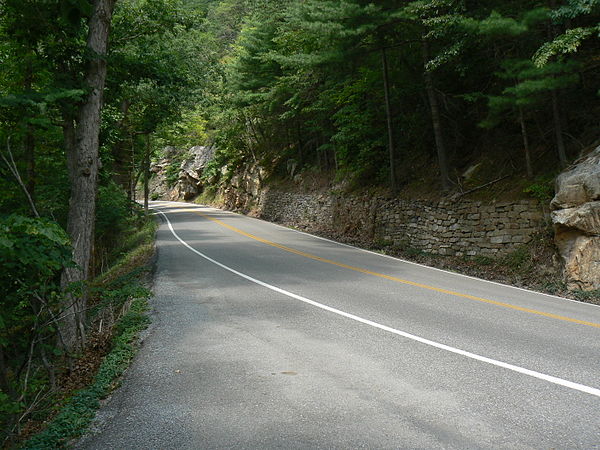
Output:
x,y
542,189
32,254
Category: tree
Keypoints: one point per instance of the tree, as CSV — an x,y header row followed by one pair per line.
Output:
x,y
159,61
571,40
82,143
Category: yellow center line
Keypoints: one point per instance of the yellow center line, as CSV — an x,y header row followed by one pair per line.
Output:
x,y
395,279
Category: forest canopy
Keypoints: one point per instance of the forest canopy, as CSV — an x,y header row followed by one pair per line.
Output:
x,y
378,90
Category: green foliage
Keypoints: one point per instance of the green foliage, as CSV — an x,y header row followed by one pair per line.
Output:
x,y
300,83
117,292
483,260
32,254
498,26
9,408
573,38
172,173
518,259
174,168
113,213
77,414
134,249
542,189
530,87
588,296
119,289
569,42
188,131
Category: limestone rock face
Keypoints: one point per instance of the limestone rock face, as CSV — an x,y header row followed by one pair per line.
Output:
x,y
188,184
242,193
576,219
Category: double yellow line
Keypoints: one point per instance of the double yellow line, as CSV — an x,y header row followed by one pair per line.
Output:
x,y
392,278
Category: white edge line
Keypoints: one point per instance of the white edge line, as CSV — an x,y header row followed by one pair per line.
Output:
x,y
383,255
522,370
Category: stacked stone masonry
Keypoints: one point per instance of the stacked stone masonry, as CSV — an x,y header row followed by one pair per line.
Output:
x,y
446,227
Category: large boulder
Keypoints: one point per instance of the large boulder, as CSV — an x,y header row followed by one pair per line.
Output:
x,y
576,219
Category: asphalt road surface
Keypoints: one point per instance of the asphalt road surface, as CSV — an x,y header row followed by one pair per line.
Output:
x,y
265,337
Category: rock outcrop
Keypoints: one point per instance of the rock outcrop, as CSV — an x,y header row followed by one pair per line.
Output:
x,y
243,191
576,219
187,184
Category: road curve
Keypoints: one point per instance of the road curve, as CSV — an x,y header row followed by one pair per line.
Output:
x,y
265,337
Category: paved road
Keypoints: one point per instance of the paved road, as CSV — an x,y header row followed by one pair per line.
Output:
x,y
264,337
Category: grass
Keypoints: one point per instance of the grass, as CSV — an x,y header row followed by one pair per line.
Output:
x,y
588,296
209,196
135,251
120,290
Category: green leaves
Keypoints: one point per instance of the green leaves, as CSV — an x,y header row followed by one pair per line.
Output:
x,y
32,254
575,8
572,39
528,86
32,251
568,42
497,25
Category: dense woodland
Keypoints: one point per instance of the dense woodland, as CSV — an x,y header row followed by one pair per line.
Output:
x,y
375,93
382,92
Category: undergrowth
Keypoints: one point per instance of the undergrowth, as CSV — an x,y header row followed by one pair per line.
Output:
x,y
117,297
79,411
209,196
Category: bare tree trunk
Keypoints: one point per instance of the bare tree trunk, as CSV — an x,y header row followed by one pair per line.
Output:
x,y
300,142
84,165
525,144
553,31
560,143
30,139
30,156
132,177
436,120
146,170
388,114
12,167
120,152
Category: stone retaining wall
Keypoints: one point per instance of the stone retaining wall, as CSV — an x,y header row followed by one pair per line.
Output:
x,y
463,227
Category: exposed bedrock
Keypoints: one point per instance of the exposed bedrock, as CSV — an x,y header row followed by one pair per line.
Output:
x,y
576,219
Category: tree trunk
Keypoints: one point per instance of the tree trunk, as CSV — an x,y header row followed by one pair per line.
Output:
x,y
68,126
553,31
30,139
525,144
560,143
147,172
84,165
133,178
300,142
436,120
120,152
30,156
388,114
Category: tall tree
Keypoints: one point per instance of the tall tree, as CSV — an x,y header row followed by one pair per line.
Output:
x,y
83,162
